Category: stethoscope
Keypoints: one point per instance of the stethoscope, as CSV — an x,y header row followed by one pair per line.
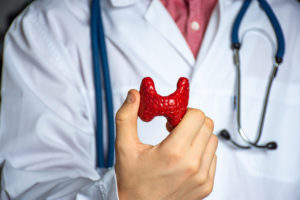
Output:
x,y
236,45
101,76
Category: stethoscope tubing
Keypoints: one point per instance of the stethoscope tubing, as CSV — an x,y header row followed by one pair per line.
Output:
x,y
236,45
273,20
100,61
277,29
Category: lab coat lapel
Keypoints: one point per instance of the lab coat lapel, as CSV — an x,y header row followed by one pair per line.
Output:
x,y
160,19
208,43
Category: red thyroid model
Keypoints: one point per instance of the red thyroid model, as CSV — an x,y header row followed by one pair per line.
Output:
x,y
173,107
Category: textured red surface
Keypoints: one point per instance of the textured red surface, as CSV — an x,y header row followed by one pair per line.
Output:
x,y
173,107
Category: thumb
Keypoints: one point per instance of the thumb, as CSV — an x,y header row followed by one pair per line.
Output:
x,y
126,120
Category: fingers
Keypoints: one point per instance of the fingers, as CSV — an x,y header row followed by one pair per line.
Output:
x,y
188,128
201,140
126,120
207,161
206,173
209,154
208,187
212,170
204,182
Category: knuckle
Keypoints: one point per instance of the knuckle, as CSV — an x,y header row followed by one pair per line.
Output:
x,y
192,168
173,155
121,117
214,140
209,123
207,189
202,178
196,113
120,148
200,115
118,145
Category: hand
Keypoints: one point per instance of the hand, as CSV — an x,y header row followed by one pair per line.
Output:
x,y
181,167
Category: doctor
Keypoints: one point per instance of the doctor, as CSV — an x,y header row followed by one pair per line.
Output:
x,y
47,125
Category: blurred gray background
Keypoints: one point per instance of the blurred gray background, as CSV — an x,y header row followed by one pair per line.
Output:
x,y
8,10
7,7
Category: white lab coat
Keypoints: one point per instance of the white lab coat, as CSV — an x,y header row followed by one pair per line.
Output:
x,y
47,146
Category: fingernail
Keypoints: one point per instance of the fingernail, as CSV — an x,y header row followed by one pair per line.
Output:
x,y
130,98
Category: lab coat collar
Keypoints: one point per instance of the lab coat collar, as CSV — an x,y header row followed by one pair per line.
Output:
x,y
168,29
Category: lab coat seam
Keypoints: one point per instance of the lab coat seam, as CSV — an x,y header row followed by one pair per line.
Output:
x,y
49,108
78,130
35,23
60,63
40,27
47,40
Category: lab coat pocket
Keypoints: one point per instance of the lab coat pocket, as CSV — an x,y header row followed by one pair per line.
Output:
x,y
281,125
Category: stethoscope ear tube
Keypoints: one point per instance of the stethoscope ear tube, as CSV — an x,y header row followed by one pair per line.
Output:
x,y
277,29
274,22
235,29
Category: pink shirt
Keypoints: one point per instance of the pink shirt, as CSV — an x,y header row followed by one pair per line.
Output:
x,y
191,17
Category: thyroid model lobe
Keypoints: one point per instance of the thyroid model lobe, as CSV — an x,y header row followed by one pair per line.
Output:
x,y
173,107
